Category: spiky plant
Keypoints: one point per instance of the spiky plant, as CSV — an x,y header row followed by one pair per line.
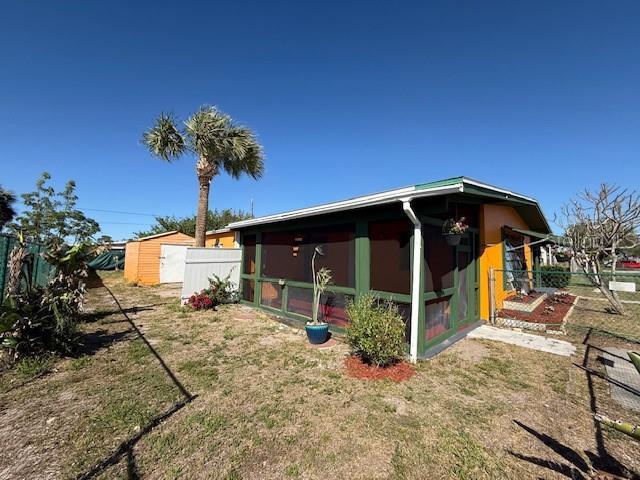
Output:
x,y
219,145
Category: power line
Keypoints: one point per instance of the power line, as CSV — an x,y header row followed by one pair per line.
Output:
x,y
109,211
127,223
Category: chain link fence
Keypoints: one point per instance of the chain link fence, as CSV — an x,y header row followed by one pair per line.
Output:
x,y
555,299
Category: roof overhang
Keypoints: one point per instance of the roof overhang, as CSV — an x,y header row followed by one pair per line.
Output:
x,y
456,185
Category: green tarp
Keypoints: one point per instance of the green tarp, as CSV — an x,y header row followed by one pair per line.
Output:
x,y
111,260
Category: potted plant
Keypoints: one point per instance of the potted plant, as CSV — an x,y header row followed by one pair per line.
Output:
x,y
452,230
318,332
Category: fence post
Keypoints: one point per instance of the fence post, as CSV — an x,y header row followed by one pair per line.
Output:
x,y
492,295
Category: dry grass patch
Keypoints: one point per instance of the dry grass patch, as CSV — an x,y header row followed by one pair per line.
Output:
x,y
268,407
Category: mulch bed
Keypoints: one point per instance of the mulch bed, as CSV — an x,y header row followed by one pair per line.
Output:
x,y
551,311
526,299
398,372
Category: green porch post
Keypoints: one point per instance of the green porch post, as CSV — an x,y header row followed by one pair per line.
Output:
x,y
363,253
258,285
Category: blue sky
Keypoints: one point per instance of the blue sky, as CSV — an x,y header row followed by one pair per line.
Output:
x,y
347,98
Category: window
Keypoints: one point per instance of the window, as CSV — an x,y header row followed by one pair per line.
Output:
x,y
390,246
404,309
515,265
248,289
288,254
333,306
249,259
439,260
271,295
299,300
437,317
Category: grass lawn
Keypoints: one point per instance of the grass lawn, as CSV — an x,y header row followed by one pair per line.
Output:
x,y
266,406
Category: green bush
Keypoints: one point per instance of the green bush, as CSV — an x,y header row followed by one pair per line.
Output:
x,y
554,276
376,333
222,290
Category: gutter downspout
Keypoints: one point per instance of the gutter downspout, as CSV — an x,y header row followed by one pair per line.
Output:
x,y
415,277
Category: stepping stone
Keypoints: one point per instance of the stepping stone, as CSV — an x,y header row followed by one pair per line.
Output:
x,y
619,368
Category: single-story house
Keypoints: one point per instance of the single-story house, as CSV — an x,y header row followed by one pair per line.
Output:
x,y
221,238
391,243
142,256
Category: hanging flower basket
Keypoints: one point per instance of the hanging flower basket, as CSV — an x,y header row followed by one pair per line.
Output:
x,y
452,239
452,231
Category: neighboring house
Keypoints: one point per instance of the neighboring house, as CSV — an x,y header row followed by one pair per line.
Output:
x,y
222,238
391,243
143,256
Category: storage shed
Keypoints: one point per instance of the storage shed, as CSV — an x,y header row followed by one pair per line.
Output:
x,y
142,257
222,238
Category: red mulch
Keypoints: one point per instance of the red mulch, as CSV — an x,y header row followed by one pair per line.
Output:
x,y
560,303
526,299
398,372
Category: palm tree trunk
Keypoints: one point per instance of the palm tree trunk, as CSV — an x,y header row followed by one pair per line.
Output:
x,y
203,208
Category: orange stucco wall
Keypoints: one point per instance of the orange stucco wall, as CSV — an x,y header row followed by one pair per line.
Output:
x,y
227,239
492,219
145,256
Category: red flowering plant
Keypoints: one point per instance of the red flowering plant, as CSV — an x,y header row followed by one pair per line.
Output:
x,y
454,227
200,301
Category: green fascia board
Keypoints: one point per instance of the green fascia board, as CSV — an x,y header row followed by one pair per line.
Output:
x,y
531,233
439,183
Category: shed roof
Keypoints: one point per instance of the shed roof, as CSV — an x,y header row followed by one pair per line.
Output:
x,y
157,235
455,185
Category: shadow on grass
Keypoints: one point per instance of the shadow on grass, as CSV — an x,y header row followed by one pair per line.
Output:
x,y
125,449
575,466
100,314
601,460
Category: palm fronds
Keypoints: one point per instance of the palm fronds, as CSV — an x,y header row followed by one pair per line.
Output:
x,y
213,136
164,139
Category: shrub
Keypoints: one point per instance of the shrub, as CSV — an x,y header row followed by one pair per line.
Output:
x,y
36,321
554,276
222,290
376,333
200,301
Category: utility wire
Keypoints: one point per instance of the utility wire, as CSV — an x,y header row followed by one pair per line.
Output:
x,y
110,211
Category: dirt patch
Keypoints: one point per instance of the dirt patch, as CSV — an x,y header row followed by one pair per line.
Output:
x,y
169,290
470,351
551,311
398,372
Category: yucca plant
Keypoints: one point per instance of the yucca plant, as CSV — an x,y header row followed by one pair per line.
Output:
x,y
218,144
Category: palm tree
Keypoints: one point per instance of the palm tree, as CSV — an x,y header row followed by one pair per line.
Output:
x,y
217,142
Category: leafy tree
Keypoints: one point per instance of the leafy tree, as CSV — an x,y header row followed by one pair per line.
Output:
x,y
187,225
6,206
52,216
219,145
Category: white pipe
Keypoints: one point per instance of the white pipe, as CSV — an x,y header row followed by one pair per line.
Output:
x,y
415,277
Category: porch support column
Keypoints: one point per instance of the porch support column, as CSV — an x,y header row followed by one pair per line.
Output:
x,y
415,277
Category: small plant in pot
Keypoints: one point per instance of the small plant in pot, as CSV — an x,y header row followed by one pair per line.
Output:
x,y
318,332
452,230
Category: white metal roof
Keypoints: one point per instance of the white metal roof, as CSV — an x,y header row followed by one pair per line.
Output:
x,y
443,187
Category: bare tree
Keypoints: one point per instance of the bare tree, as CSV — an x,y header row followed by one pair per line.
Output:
x,y
600,225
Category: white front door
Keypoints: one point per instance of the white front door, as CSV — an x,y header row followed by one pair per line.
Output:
x,y
172,259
